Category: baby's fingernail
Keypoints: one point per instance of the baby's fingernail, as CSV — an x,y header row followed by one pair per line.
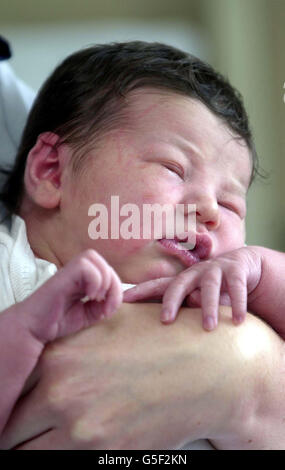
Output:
x,y
209,323
166,315
239,319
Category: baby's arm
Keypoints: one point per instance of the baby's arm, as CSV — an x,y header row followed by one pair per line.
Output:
x,y
56,309
268,299
19,351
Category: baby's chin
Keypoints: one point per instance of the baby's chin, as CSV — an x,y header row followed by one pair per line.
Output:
x,y
153,270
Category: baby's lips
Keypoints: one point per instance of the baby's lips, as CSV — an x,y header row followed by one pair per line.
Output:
x,y
202,243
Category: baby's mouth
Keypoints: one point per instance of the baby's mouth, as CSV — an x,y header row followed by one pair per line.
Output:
x,y
176,247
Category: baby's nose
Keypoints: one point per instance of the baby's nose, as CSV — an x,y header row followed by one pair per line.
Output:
x,y
207,212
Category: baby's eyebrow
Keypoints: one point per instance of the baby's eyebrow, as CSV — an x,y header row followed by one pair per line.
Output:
x,y
237,187
189,150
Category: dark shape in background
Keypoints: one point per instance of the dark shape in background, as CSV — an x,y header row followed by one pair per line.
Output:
x,y
5,51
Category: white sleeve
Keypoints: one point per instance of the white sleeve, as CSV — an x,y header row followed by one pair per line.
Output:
x,y
127,286
6,294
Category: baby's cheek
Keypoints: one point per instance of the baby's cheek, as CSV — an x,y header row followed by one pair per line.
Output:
x,y
239,231
230,236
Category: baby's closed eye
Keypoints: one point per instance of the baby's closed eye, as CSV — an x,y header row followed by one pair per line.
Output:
x,y
236,208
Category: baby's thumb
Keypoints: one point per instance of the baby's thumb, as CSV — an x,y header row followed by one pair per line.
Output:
x,y
114,297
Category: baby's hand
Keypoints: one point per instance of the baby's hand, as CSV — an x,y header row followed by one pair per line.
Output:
x,y
84,291
233,275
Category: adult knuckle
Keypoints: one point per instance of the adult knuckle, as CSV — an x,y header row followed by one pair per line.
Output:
x,y
56,396
87,433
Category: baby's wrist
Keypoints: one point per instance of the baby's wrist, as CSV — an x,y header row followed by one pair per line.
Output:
x,y
29,324
17,331
268,297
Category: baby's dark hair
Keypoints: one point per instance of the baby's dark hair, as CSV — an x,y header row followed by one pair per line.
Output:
x,y
86,95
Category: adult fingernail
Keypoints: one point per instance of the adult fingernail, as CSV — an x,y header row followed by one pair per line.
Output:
x,y
238,319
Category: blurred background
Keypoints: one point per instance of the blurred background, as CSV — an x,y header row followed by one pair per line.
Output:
x,y
244,39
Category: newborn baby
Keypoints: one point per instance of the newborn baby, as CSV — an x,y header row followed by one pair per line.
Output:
x,y
170,131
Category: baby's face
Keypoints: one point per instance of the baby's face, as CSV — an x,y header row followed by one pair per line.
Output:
x,y
175,151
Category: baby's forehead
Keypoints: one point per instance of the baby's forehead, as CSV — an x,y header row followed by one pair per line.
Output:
x,y
162,123
189,118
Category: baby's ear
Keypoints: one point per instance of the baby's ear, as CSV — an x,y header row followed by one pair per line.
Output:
x,y
44,167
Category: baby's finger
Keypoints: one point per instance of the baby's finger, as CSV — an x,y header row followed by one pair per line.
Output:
x,y
237,289
77,279
210,295
114,296
98,262
175,294
153,289
91,279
